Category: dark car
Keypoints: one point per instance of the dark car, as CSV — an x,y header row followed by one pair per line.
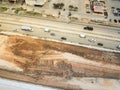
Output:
x,y
118,9
119,21
100,44
52,34
12,8
88,28
118,47
63,38
112,7
105,13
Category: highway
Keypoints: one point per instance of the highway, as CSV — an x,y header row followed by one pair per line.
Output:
x,y
108,36
98,30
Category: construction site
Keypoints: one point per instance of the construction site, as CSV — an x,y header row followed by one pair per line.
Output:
x,y
54,64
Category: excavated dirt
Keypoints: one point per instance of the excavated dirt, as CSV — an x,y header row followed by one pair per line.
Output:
x,y
32,46
40,59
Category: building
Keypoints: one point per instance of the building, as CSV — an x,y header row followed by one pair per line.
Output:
x,y
35,2
98,7
13,1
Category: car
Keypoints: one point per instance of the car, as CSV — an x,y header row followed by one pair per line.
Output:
x,y
88,28
105,17
118,32
63,38
26,28
27,34
118,47
47,30
88,10
105,13
15,30
13,8
110,20
100,44
92,40
82,36
119,21
112,7
118,9
52,34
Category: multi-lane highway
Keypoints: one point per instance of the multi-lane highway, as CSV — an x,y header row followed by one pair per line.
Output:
x,y
108,36
102,30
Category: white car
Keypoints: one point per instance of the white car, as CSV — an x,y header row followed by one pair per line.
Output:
x,y
92,40
47,30
26,28
82,36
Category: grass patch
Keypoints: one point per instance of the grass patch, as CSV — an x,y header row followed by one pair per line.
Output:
x,y
19,9
33,13
2,9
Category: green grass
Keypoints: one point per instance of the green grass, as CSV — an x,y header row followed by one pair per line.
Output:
x,y
2,9
19,9
33,13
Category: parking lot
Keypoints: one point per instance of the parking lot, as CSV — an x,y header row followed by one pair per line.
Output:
x,y
79,9
112,5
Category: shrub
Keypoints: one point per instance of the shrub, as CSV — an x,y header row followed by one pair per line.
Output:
x,y
2,9
58,5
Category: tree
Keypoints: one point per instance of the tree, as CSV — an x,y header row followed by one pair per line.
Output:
x,y
75,8
72,8
58,5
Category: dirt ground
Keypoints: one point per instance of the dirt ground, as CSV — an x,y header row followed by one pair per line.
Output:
x,y
39,59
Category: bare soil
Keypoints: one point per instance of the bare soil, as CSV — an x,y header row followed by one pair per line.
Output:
x,y
40,59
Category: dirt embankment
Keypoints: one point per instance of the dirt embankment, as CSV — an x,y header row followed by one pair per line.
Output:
x,y
33,45
40,59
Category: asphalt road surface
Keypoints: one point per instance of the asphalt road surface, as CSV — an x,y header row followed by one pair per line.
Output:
x,y
108,36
